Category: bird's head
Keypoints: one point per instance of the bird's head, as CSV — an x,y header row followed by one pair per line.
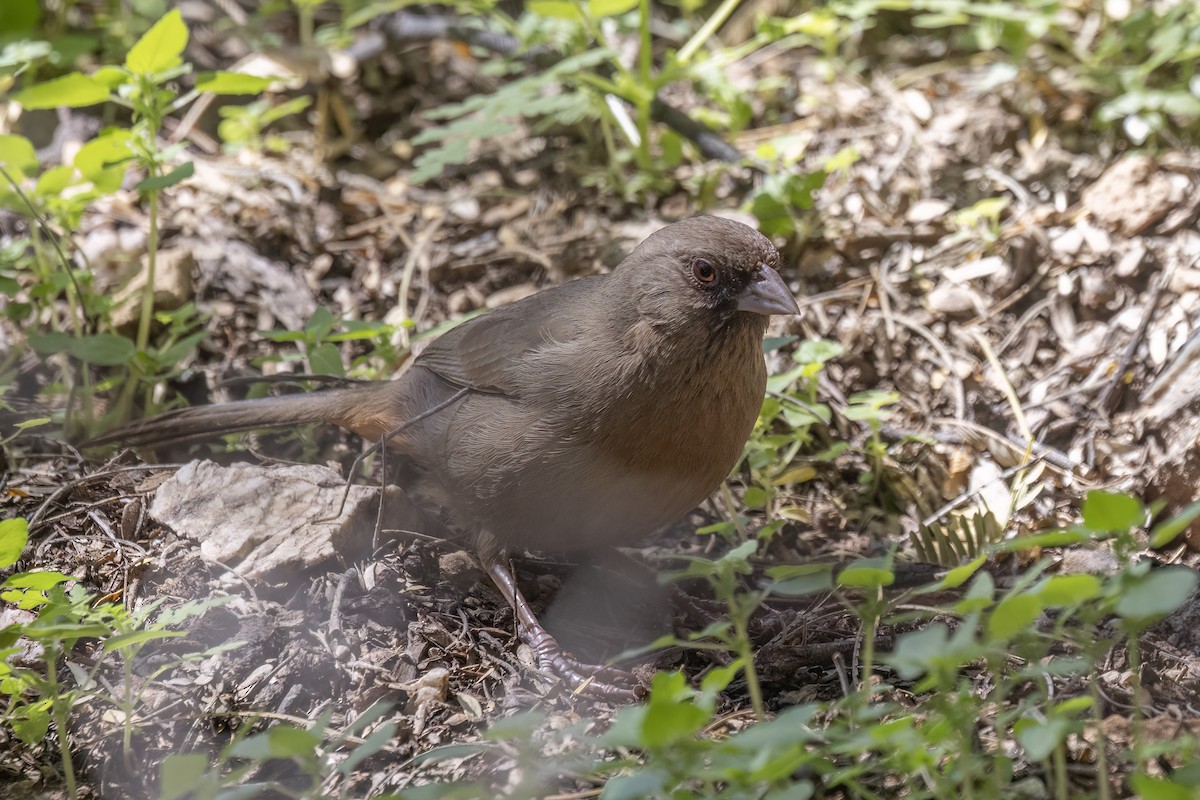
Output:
x,y
708,268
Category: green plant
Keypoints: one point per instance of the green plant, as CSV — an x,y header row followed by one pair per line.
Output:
x,y
791,424
871,407
1138,64
306,750
1074,610
243,127
492,115
590,84
317,343
35,697
731,635
785,191
992,690
55,200
1040,632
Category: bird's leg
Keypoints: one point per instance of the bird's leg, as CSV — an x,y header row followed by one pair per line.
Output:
x,y
603,681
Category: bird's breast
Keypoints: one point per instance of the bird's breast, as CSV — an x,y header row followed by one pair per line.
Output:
x,y
603,461
683,423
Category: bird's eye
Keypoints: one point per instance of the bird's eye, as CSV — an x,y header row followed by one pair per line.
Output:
x,y
704,272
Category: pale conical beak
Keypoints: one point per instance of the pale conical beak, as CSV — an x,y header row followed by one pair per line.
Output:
x,y
767,295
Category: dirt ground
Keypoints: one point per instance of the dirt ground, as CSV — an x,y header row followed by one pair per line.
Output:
x,y
1079,299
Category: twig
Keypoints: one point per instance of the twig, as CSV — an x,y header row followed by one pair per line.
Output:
x,y
1110,395
335,608
960,400
35,521
1006,387
966,496
449,401
405,27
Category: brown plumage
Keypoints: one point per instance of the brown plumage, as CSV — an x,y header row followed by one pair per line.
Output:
x,y
596,411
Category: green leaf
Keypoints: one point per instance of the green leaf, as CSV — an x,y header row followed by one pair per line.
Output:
x,y
182,172
252,748
371,745
1040,738
773,343
40,581
103,349
842,159
1067,590
48,344
160,47
1149,788
979,596
610,8
287,741
14,535
73,90
647,782
230,83
1165,532
774,218
447,752
1155,594
1112,512
54,181
721,677
104,160
817,351
1075,705
66,631
320,323
754,497
960,575
1045,539
1013,615
17,155
181,774
666,723
326,359
802,579
124,640
869,573
556,9
112,77
19,18
917,651
32,729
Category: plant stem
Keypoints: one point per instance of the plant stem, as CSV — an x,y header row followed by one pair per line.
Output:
x,y
610,144
646,87
645,50
868,650
741,607
1060,772
706,30
61,704
305,13
143,333
1135,684
746,653
1103,790
127,711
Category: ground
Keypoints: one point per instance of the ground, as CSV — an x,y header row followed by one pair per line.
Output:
x,y
1067,314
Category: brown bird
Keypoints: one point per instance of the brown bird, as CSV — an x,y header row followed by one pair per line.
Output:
x,y
582,417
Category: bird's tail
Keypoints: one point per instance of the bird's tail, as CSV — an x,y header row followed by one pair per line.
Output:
x,y
349,408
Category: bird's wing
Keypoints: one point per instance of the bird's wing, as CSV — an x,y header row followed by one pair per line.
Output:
x,y
481,353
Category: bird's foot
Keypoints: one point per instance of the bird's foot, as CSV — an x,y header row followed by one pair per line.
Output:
x,y
606,683
602,682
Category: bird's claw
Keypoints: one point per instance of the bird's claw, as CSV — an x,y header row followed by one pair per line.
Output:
x,y
593,680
